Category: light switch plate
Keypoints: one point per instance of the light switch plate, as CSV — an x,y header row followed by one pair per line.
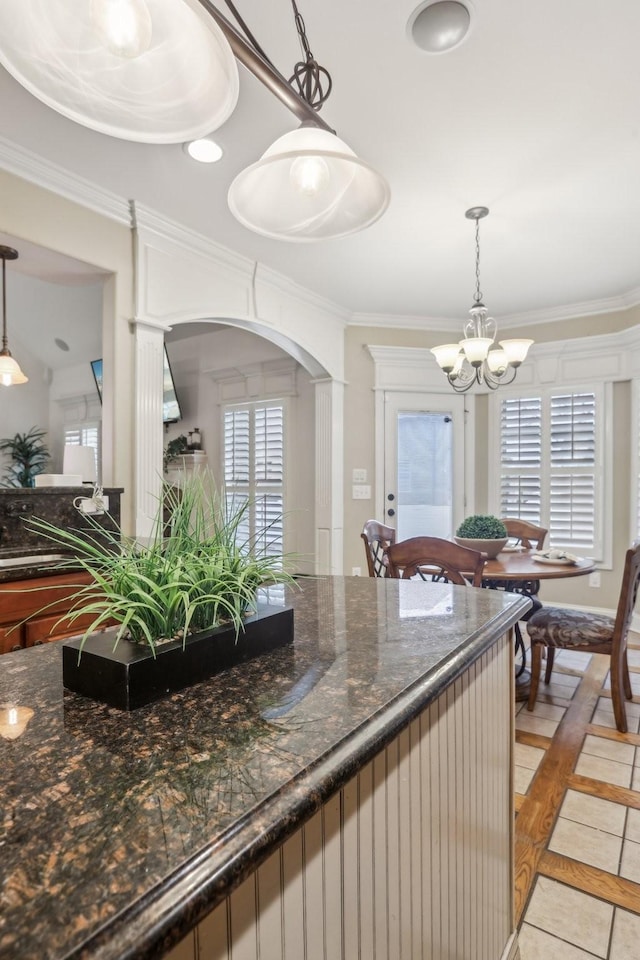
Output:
x,y
359,475
361,491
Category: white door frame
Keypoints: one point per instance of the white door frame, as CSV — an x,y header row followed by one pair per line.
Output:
x,y
412,370
396,401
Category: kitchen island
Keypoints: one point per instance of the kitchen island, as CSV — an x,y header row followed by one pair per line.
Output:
x,y
348,795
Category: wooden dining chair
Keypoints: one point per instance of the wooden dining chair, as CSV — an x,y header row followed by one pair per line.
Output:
x,y
553,628
432,558
525,533
377,537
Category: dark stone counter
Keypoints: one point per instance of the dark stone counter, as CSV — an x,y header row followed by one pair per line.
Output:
x,y
54,504
118,832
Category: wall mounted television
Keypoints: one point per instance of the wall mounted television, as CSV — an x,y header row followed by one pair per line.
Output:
x,y
171,410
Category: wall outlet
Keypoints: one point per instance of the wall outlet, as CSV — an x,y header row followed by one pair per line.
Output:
x,y
95,505
356,572
594,579
361,491
359,475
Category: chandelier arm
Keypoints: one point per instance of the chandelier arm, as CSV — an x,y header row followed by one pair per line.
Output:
x,y
247,32
263,70
460,388
493,382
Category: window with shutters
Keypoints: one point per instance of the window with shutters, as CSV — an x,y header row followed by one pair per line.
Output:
x,y
551,465
254,471
85,435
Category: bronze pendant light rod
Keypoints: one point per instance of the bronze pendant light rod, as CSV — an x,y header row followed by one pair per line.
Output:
x,y
7,253
263,70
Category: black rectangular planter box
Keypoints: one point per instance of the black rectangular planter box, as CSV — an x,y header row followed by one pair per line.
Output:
x,y
130,676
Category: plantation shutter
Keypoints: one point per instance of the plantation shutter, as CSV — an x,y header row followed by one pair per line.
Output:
x,y
549,449
521,458
572,486
254,472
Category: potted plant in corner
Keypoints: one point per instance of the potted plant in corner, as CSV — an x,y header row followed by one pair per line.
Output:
x,y
29,456
184,604
482,532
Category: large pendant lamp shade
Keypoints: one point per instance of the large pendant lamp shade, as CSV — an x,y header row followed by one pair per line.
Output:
x,y
309,185
154,71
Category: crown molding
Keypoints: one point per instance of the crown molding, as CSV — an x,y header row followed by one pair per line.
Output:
x,y
403,322
589,308
43,173
531,318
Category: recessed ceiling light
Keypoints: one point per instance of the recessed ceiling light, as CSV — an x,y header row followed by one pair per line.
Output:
x,y
439,25
205,150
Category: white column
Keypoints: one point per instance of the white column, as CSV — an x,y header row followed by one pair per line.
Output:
x,y
148,436
329,476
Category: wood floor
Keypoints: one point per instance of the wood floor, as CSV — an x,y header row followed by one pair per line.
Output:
x,y
577,851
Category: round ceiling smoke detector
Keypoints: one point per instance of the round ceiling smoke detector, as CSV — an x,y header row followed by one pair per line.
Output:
x,y
439,25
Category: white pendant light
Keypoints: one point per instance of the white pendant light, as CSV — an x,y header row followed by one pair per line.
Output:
x,y
10,373
154,71
309,185
476,359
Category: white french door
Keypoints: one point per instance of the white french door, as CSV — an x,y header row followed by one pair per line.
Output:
x,y
424,465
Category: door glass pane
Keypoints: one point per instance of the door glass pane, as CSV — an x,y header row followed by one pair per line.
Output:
x,y
425,482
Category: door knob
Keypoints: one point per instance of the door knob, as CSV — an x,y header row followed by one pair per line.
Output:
x,y
391,513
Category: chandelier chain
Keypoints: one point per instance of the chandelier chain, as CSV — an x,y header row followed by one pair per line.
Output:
x,y
478,293
312,81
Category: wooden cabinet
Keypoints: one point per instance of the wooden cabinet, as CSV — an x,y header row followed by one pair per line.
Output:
x,y
31,611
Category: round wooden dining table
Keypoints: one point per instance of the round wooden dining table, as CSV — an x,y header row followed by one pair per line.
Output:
x,y
518,571
520,566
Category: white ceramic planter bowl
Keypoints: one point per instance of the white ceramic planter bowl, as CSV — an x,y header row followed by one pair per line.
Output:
x,y
489,547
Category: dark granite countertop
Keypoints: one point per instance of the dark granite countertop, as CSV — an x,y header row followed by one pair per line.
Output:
x,y
53,491
119,831
27,563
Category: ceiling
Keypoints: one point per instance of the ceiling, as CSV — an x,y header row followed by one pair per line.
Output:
x,y
534,115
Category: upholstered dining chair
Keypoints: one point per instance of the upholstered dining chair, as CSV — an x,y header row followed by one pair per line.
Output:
x,y
377,537
525,533
553,628
432,558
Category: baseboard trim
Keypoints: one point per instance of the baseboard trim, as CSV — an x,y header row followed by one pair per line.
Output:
x,y
512,950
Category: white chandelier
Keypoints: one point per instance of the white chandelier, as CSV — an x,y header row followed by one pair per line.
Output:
x,y
476,358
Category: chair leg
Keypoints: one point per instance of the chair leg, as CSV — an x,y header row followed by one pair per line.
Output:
x,y
617,687
626,679
551,651
536,666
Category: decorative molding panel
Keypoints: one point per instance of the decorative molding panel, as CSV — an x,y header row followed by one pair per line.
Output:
x,y
592,359
261,381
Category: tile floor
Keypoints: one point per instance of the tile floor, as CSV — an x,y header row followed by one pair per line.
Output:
x,y
561,921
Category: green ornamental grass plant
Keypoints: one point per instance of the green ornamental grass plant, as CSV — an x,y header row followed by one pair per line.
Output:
x,y
196,571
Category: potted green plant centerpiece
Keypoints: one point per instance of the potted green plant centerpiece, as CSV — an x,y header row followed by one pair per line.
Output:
x,y
175,609
482,532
